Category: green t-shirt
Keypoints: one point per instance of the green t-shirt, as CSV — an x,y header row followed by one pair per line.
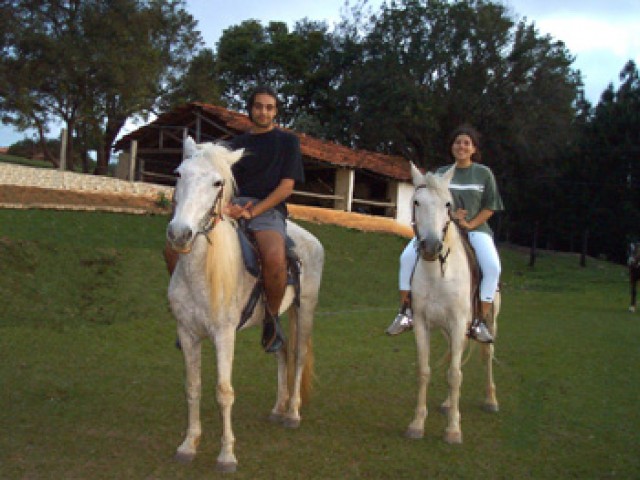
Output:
x,y
474,189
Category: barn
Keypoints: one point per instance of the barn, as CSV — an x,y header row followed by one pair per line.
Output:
x,y
336,176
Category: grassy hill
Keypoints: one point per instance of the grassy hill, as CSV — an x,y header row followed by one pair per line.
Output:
x,y
24,161
92,385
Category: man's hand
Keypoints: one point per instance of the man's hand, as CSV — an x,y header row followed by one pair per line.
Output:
x,y
239,211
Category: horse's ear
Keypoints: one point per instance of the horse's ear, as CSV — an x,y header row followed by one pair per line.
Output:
x,y
189,146
416,175
448,175
235,156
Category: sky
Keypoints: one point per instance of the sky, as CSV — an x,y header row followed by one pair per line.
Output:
x,y
602,34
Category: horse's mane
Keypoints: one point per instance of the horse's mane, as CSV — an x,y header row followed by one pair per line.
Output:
x,y
224,262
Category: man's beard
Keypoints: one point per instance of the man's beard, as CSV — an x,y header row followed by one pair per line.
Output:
x,y
262,123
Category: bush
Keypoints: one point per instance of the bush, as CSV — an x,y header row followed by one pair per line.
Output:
x,y
29,148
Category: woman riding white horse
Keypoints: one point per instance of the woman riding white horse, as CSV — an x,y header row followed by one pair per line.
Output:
x,y
441,296
210,288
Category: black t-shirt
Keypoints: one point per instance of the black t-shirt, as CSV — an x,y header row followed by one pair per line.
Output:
x,y
268,158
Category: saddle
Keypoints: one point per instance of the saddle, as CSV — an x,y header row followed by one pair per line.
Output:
x,y
251,260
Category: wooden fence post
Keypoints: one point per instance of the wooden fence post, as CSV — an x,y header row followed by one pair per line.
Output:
x,y
132,160
63,149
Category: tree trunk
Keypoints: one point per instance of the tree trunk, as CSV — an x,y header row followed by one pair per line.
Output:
x,y
534,245
48,156
583,253
110,134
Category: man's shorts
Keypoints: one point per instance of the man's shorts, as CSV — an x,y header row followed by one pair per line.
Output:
x,y
272,219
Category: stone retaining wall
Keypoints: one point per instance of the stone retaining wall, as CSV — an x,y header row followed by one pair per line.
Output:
x,y
63,180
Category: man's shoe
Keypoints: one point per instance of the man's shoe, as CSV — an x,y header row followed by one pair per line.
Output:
x,y
480,332
402,322
272,336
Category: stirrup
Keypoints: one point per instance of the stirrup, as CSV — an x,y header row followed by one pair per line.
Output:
x,y
272,337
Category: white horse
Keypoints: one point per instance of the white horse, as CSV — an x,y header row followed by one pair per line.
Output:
x,y
210,287
441,297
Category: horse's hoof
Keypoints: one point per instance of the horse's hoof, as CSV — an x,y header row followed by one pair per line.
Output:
x,y
226,467
184,457
291,422
491,407
414,433
453,438
276,418
632,309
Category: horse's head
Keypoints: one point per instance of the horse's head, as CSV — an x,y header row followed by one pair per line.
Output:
x,y
204,186
431,204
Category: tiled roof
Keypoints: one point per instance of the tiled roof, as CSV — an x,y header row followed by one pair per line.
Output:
x,y
321,150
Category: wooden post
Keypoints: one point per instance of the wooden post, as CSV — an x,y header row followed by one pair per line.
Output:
x,y
132,160
63,149
185,134
345,179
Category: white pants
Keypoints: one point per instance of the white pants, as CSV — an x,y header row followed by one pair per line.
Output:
x,y
488,260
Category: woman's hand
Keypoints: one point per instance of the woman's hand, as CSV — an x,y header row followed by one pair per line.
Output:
x,y
460,217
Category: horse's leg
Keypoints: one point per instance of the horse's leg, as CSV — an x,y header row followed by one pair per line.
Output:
x,y
453,433
490,401
416,427
633,279
282,395
299,361
191,350
444,406
225,342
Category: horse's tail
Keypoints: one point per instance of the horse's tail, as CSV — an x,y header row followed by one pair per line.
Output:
x,y
306,382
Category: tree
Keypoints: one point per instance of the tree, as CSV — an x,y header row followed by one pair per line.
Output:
x,y
426,66
199,83
606,171
91,64
298,64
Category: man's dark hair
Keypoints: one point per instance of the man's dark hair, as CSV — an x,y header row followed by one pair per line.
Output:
x,y
466,129
261,89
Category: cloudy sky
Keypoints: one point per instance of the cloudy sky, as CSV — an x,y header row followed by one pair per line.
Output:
x,y
602,34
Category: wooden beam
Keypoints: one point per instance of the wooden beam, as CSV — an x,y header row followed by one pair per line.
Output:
x,y
317,195
373,203
160,150
217,125
146,173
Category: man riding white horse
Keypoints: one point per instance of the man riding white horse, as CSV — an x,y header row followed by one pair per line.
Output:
x,y
265,177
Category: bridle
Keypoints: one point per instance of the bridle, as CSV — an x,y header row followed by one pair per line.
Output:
x,y
213,215
441,257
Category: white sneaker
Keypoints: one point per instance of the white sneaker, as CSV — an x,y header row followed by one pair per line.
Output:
x,y
402,322
480,332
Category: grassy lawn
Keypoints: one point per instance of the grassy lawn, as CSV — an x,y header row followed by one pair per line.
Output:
x,y
92,384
